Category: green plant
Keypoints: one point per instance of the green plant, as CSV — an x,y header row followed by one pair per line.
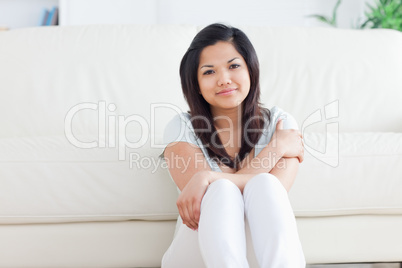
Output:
x,y
387,14
330,21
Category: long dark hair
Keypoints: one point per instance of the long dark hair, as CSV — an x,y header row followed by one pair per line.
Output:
x,y
200,112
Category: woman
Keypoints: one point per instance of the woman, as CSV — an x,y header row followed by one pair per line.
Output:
x,y
232,161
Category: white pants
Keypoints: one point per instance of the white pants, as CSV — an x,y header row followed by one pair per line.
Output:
x,y
256,229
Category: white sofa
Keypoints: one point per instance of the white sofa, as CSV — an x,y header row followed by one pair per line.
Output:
x,y
74,99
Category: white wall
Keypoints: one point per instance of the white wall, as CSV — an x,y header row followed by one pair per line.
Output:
x,y
76,12
259,12
25,13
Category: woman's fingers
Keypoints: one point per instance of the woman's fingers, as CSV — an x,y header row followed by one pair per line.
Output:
x,y
189,201
188,220
192,221
197,212
279,124
187,214
301,157
184,213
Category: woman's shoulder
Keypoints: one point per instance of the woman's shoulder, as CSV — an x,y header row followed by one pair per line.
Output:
x,y
179,122
182,117
179,128
277,113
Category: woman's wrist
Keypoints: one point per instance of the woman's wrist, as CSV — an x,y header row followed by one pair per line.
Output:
x,y
205,175
276,149
212,176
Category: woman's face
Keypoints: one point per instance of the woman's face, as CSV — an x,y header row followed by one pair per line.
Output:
x,y
223,77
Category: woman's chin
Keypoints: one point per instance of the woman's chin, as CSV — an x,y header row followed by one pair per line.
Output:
x,y
228,107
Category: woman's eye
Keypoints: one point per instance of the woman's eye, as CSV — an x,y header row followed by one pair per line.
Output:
x,y
234,66
208,72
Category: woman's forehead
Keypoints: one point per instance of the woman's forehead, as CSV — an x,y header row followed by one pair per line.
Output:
x,y
221,51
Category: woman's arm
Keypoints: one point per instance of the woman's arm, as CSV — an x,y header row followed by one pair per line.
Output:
x,y
285,167
192,175
186,160
286,171
284,143
265,161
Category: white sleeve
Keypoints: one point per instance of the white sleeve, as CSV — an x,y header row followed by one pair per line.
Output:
x,y
179,129
277,113
289,122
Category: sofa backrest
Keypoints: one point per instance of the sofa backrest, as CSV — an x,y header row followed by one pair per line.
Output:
x,y
45,72
352,76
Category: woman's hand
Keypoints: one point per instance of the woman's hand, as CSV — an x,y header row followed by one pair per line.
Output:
x,y
289,141
189,201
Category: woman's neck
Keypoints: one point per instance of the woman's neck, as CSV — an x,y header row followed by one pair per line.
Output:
x,y
227,119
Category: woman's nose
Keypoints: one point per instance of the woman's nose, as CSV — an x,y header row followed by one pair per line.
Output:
x,y
224,78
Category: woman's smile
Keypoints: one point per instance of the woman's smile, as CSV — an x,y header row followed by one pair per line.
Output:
x,y
227,91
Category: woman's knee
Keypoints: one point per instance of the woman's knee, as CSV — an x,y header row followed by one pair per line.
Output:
x,y
224,186
264,182
222,189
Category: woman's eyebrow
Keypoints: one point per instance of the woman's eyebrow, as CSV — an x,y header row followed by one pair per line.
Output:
x,y
233,59
210,66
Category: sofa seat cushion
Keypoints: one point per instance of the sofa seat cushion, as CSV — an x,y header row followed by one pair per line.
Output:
x,y
47,179
366,180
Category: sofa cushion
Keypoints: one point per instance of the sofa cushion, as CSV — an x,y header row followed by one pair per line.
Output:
x,y
47,179
366,180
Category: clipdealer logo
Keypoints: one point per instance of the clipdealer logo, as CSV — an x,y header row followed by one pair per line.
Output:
x,y
111,131
330,154
111,128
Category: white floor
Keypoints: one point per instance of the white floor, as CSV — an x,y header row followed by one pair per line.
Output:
x,y
355,265
368,265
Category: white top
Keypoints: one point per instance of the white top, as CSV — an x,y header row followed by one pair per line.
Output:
x,y
181,129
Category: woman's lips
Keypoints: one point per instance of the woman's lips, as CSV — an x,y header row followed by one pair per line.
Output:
x,y
226,91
